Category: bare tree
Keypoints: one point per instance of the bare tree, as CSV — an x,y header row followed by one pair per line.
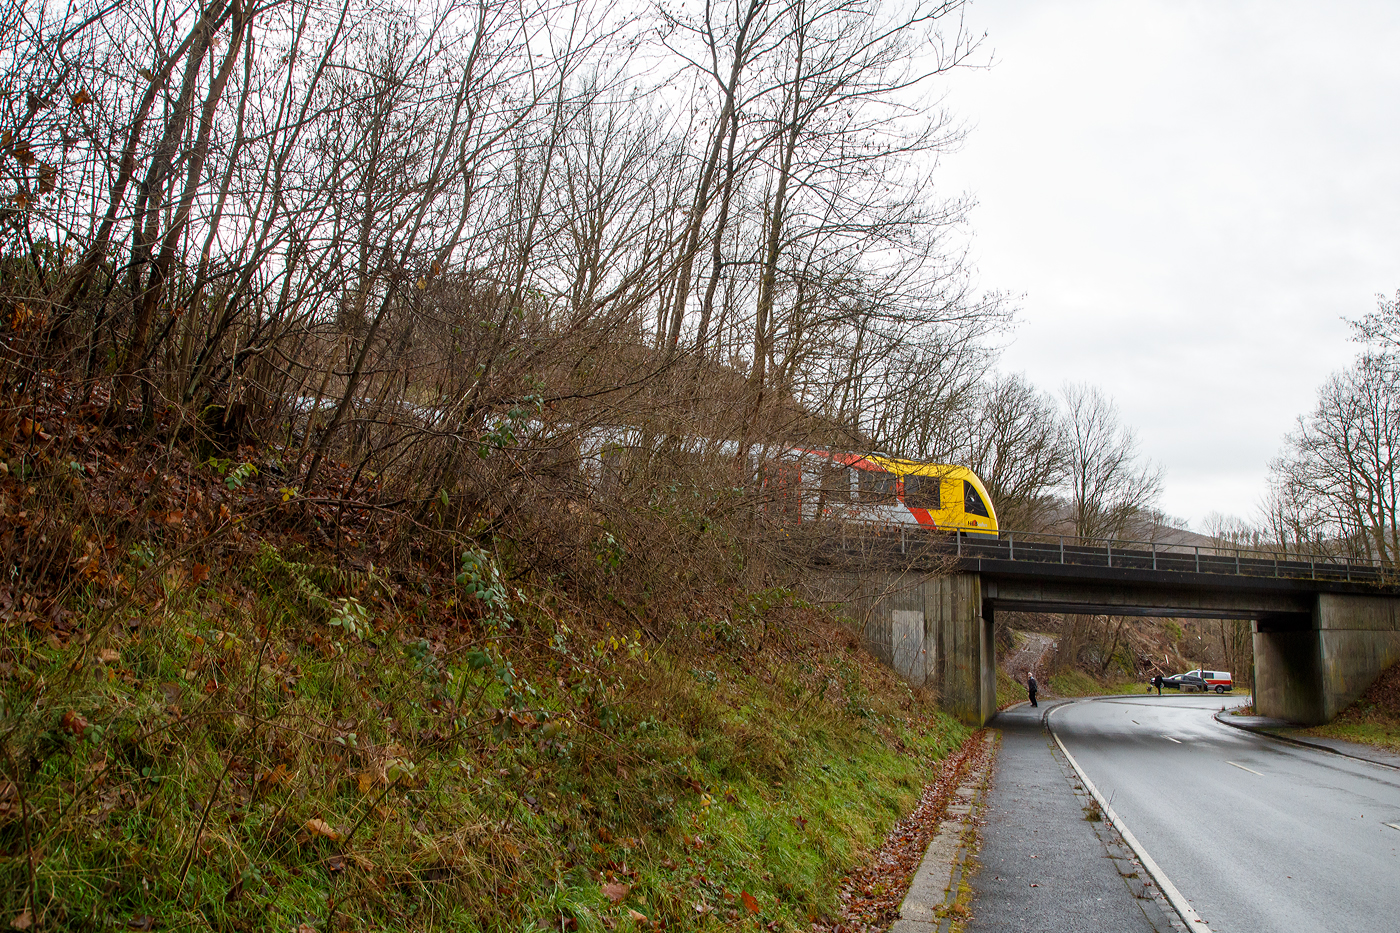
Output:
x,y
1016,444
1109,488
1381,328
1342,461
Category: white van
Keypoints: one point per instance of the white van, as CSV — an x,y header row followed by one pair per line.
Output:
x,y
1219,681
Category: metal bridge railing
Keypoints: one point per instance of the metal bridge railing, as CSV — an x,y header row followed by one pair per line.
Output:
x,y
1033,547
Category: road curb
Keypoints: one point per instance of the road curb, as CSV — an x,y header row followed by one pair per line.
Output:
x,y
934,887
1220,717
1178,903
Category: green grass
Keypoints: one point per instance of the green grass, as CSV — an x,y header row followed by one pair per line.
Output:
x,y
1009,690
1073,682
1379,734
1076,683
223,757
1126,687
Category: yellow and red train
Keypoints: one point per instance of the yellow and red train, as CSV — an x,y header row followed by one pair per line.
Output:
x,y
879,489
803,485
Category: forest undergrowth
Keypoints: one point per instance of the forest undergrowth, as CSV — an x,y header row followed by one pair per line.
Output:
x,y
230,704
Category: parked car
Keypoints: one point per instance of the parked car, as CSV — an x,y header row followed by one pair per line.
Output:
x,y
1219,681
1189,681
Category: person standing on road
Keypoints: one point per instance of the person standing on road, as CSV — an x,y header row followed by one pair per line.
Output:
x,y
1157,682
1032,687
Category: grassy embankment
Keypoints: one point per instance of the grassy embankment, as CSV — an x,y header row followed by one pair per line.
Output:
x,y
1073,682
1009,690
222,726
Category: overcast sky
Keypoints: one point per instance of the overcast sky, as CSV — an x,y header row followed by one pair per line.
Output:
x,y
1190,196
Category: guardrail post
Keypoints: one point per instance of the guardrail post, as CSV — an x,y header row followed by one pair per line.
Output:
x,y
1237,562
959,534
1154,555
1109,545
1011,544
1062,549
1198,558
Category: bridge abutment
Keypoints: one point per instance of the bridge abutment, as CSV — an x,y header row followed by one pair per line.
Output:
x,y
932,630
1310,676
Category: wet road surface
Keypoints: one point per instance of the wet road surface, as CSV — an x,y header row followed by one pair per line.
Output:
x,y
1256,834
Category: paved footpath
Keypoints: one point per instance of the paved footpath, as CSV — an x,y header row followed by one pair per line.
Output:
x,y
1044,867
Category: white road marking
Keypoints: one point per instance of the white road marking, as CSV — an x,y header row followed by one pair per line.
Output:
x,y
1393,825
1243,768
1170,739
1173,896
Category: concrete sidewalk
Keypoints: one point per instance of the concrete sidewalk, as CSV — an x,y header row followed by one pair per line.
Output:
x,y
1045,867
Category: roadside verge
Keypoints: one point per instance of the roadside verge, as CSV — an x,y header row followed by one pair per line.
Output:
x,y
1262,725
931,905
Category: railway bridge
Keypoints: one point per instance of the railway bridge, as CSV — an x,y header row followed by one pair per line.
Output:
x,y
1323,628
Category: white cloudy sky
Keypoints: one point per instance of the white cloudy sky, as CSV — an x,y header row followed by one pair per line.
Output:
x,y
1190,196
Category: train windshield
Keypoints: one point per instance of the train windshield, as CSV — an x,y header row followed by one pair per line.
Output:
x,y
972,501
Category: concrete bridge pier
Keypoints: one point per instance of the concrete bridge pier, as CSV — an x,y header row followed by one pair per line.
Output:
x,y
1308,670
934,631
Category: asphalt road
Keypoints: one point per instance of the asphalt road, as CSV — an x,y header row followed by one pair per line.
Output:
x,y
1257,835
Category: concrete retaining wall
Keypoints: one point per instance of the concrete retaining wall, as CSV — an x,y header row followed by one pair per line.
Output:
x,y
1310,676
929,629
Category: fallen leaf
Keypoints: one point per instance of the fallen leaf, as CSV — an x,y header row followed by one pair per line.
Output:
x,y
636,916
74,722
24,921
108,655
615,892
750,902
318,827
274,777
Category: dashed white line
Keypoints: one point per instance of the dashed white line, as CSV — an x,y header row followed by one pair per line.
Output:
x,y
1393,825
1243,768
1170,739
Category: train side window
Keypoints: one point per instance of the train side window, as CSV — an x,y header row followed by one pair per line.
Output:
x,y
972,501
610,474
923,492
877,486
836,483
